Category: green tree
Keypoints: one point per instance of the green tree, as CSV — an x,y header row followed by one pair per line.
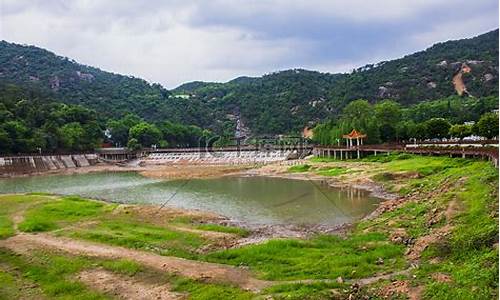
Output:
x,y
388,115
437,128
460,131
487,126
133,144
71,136
146,134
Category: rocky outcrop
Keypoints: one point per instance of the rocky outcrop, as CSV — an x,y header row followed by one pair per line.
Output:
x,y
458,82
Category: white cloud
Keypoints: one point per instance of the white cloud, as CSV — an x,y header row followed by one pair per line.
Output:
x,y
176,41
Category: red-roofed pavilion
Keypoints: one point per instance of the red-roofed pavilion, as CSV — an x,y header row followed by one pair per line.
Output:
x,y
354,135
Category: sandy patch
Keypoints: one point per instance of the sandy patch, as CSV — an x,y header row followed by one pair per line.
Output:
x,y
123,287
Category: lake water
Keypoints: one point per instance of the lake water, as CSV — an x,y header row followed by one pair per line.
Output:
x,y
255,200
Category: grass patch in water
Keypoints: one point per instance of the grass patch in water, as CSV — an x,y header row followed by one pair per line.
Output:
x,y
299,168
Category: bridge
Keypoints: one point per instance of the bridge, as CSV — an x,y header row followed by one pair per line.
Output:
x,y
487,150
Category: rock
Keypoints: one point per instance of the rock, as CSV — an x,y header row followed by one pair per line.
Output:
x,y
488,77
334,294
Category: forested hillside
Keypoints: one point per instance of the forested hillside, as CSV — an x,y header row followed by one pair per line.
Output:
x,y
69,82
276,103
32,122
289,100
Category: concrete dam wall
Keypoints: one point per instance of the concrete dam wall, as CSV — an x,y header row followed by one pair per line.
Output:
x,y
14,165
219,157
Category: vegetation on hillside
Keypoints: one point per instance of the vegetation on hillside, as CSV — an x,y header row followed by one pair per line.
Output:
x,y
277,103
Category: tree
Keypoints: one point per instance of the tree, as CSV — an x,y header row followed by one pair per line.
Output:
x,y
118,132
119,129
460,130
358,113
133,144
406,130
487,126
146,134
437,128
388,115
5,141
71,136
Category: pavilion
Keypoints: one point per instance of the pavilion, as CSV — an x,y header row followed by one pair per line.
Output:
x,y
354,135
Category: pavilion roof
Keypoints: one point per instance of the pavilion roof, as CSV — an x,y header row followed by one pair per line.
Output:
x,y
354,134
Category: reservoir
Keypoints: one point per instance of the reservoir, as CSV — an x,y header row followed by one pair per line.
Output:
x,y
252,199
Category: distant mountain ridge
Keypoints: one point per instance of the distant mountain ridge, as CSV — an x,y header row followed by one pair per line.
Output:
x,y
280,102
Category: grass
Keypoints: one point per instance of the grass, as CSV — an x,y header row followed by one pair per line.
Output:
x,y
122,266
52,274
226,229
9,205
300,291
469,255
320,257
206,291
135,235
322,159
54,277
96,223
299,168
6,227
52,215
332,171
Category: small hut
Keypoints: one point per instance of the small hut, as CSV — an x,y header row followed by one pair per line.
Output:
x,y
354,135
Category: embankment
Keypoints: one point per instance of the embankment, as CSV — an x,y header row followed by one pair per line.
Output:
x,y
18,165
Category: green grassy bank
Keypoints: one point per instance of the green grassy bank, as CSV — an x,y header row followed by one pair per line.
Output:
x,y
443,231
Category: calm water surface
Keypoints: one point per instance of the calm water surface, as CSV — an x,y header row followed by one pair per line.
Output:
x,y
256,200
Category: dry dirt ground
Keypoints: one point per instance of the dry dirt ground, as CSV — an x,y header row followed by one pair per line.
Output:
x,y
124,287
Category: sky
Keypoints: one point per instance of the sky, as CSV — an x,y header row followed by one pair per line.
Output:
x,y
175,41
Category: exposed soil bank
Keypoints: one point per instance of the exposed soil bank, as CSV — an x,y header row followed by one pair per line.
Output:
x,y
166,172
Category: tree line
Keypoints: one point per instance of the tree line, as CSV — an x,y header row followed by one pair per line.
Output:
x,y
387,121
31,122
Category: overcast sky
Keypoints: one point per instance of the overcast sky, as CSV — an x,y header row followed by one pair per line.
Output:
x,y
171,42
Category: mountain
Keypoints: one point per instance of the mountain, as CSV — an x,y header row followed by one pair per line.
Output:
x,y
281,102
73,83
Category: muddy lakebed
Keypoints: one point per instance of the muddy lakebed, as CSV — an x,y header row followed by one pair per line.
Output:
x,y
251,200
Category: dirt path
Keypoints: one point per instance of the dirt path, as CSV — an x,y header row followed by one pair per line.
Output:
x,y
123,287
24,243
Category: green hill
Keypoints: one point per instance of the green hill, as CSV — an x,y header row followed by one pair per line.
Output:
x,y
281,102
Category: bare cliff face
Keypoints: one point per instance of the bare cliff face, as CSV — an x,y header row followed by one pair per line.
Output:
x,y
458,82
